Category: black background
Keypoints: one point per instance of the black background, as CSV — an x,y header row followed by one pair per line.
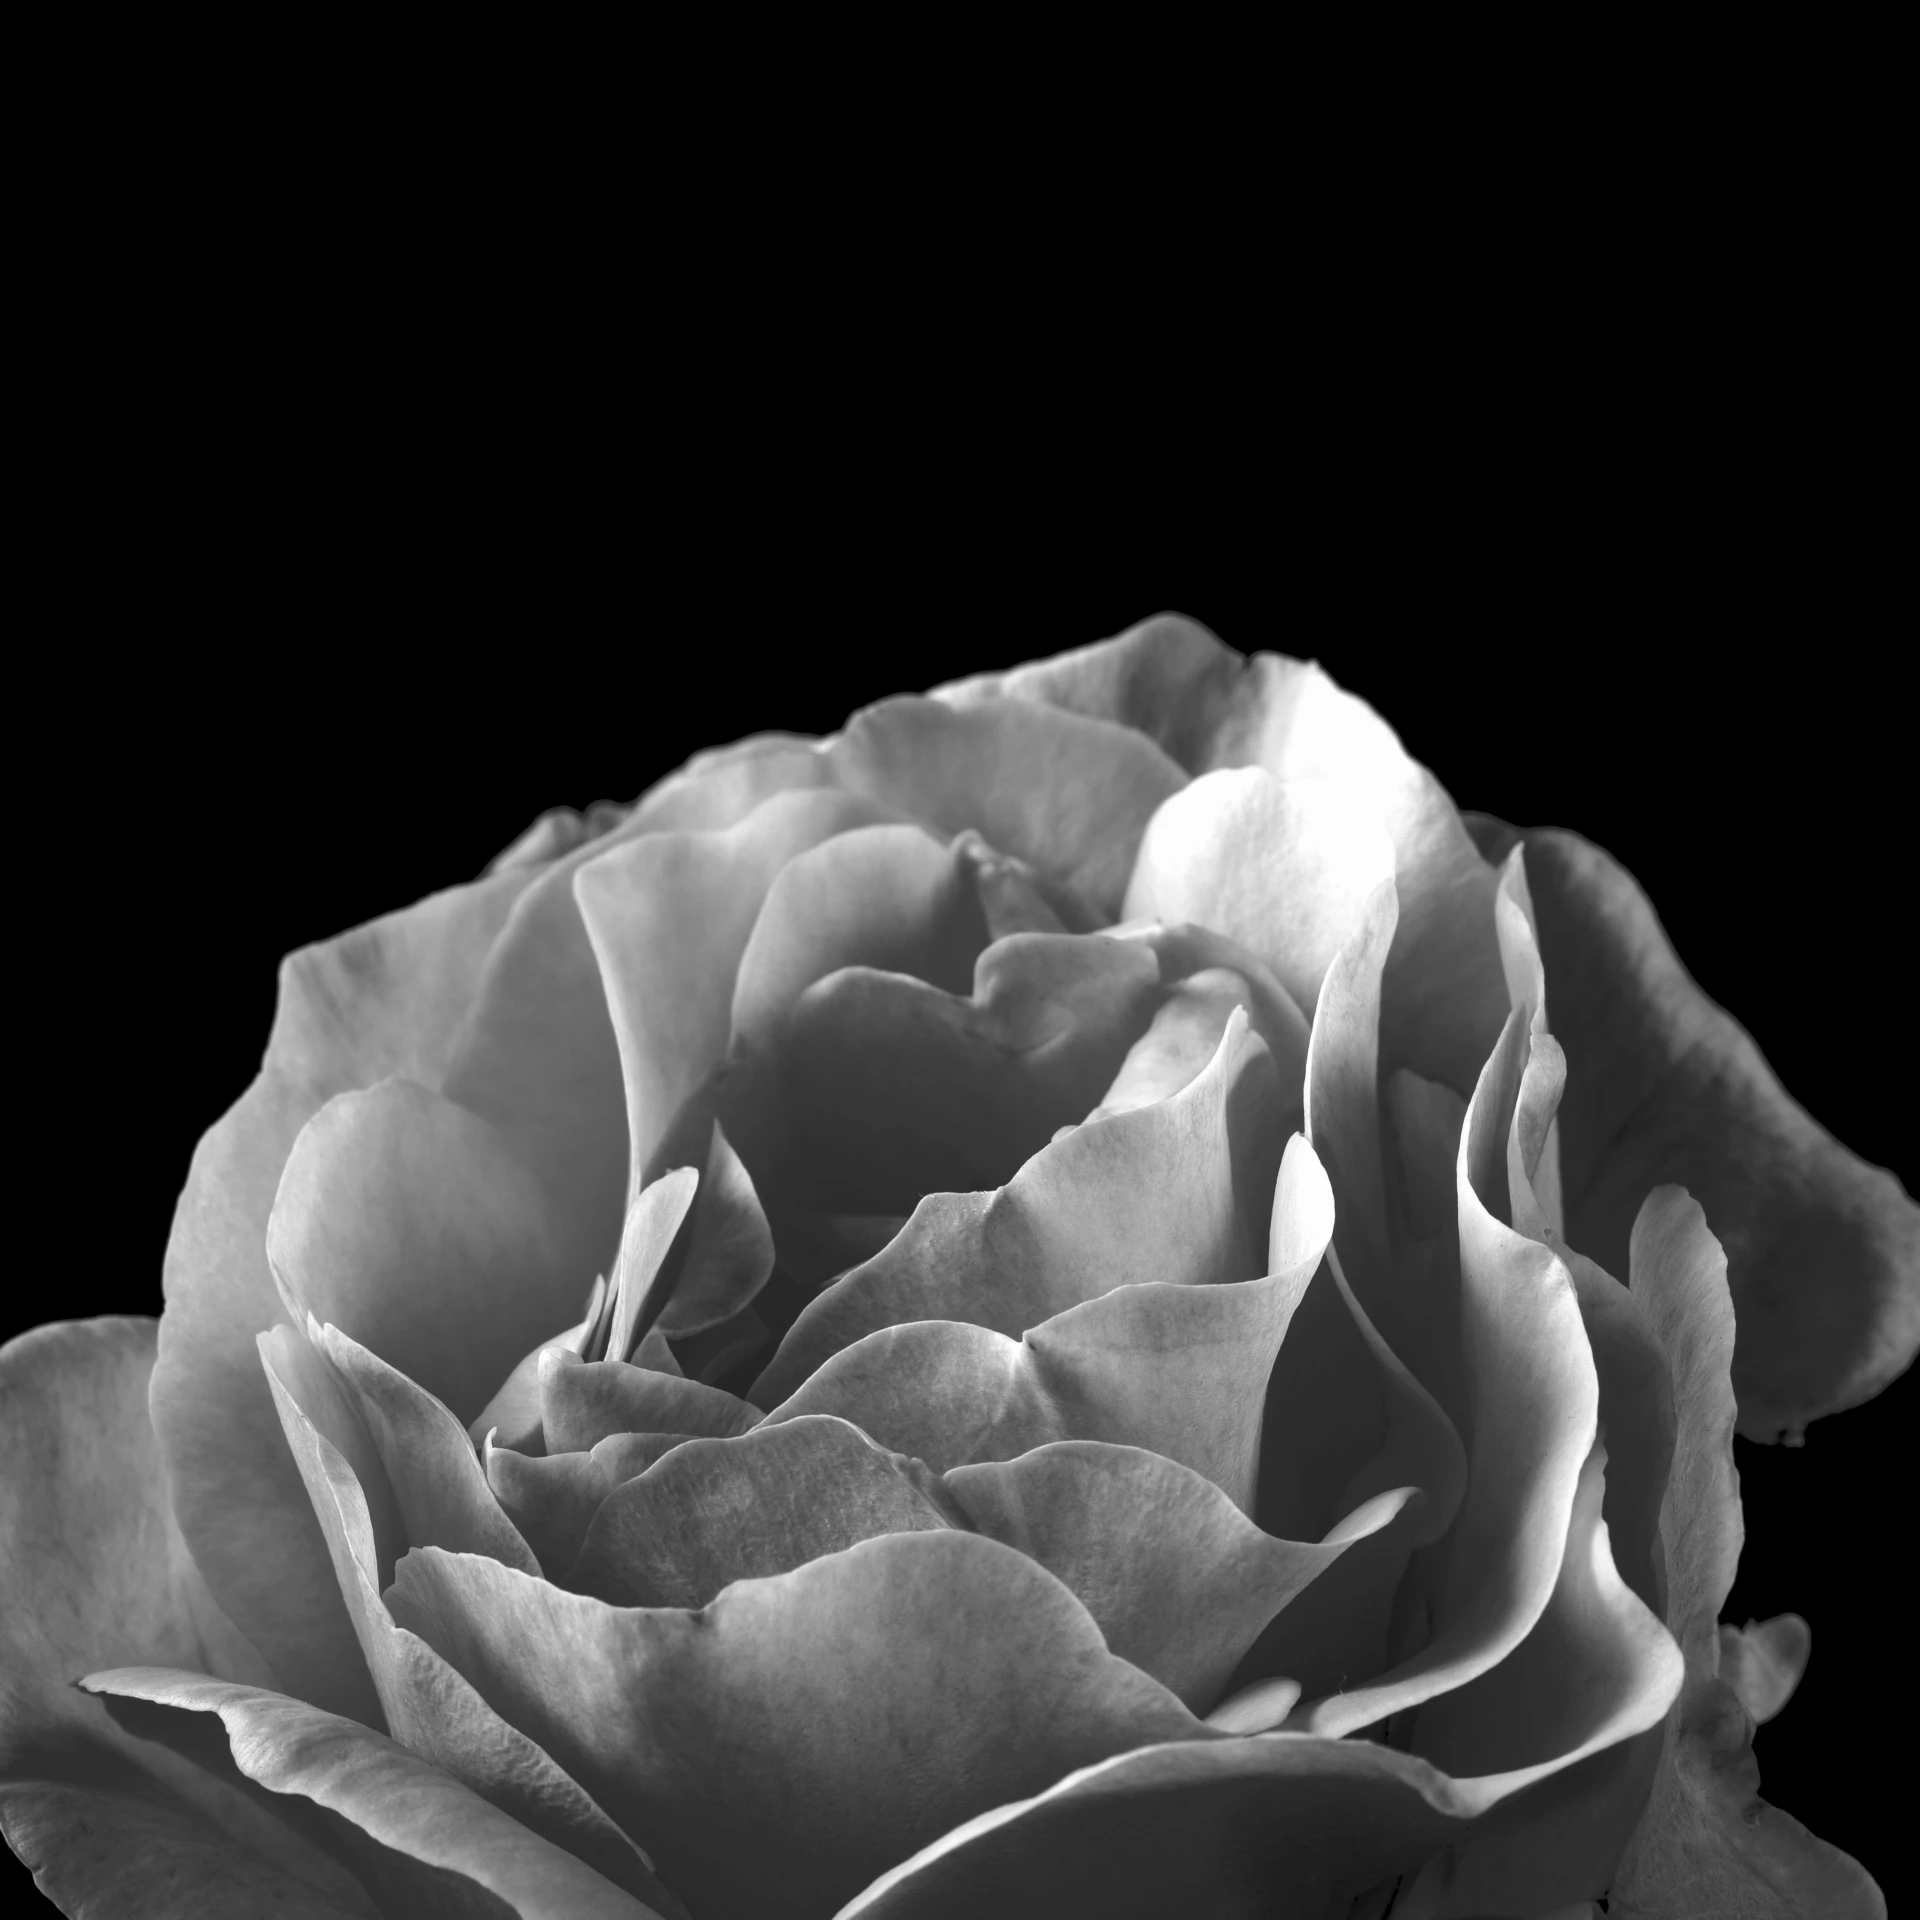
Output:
x,y
271,706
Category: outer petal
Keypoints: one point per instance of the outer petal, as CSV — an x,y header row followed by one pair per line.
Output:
x,y
1282,867
670,915
1823,1251
802,1733
1707,1843
1174,1192
428,1706
1070,796
386,998
434,1842
722,785
92,1569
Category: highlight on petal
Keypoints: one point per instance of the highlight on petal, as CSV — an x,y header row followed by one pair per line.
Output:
x,y
1283,868
1533,1403
438,1485
410,1223
1069,795
433,1840
1823,1251
893,1088
1174,1192
428,1707
780,1747
1179,1580
385,998
638,1289
669,915
1278,1823
715,1511
1763,1661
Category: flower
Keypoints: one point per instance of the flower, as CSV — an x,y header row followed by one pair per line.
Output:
x,y
1014,1312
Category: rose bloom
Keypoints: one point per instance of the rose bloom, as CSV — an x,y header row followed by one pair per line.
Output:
x,y
1079,1299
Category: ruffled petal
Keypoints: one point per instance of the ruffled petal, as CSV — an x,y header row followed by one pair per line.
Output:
x,y
1069,795
1178,1578
715,1511
410,1223
385,998
779,1748
1533,1403
1823,1251
894,1088
429,1708
1282,867
669,915
1173,1192
432,1840
438,1485
552,1498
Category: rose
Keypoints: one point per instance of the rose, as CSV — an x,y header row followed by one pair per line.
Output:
x,y
1082,1477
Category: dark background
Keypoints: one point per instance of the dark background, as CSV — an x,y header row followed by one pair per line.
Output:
x,y
269,707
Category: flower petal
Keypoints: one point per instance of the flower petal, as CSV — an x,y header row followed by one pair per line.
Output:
x,y
1168,678
96,1854
1597,1669
385,998
93,1569
637,1288
722,785
715,1511
1234,1829
428,1706
1823,1251
669,915
552,1498
730,1251
410,1223
894,1088
1763,1662
1174,1192
1069,795
785,1744
438,1485
1282,867
434,1840
1179,1580
1533,1403
584,1401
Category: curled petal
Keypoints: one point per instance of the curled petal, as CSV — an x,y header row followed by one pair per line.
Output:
x,y
1179,1580
1172,1192
1763,1662
715,1511
782,1746
438,1485
411,1224
640,1285
1283,868
894,1088
730,1250
432,1838
669,915
1071,796
384,998
583,1401
429,1708
1823,1251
